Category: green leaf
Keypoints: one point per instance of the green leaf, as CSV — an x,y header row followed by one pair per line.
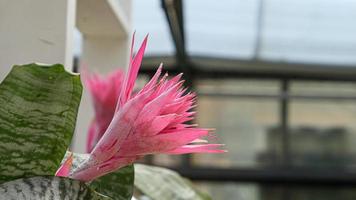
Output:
x,y
38,111
117,185
47,188
164,184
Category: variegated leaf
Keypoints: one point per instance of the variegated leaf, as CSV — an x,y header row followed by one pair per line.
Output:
x,y
117,185
163,184
48,188
38,111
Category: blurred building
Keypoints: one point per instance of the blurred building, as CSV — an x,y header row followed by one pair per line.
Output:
x,y
277,81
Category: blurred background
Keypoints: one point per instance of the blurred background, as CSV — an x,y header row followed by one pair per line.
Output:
x,y
275,78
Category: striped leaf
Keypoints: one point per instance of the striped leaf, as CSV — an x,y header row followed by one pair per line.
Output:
x,y
163,184
117,185
48,188
38,111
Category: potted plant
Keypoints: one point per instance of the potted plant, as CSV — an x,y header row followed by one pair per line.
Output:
x,y
39,105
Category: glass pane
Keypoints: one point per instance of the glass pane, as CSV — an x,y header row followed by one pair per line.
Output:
x,y
238,86
149,18
323,88
240,124
229,190
317,31
243,191
220,28
323,133
306,193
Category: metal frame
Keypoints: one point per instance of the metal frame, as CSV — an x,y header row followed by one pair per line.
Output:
x,y
199,67
173,10
275,176
283,173
195,67
212,68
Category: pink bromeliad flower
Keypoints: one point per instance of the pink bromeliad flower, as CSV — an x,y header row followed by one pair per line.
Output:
x,y
105,92
129,126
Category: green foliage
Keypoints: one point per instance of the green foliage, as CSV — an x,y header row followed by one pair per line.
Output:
x,y
164,184
117,185
38,112
48,188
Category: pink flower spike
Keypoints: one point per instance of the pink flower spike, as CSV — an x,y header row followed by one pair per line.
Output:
x,y
128,126
132,74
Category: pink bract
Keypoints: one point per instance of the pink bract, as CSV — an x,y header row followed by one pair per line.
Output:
x,y
105,92
129,126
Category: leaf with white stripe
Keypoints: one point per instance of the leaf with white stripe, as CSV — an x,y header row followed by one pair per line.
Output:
x,y
38,112
48,188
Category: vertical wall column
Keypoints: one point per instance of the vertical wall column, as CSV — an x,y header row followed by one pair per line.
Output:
x,y
106,29
105,53
36,31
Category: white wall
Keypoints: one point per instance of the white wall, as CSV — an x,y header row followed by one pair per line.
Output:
x,y
36,31
106,30
43,31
